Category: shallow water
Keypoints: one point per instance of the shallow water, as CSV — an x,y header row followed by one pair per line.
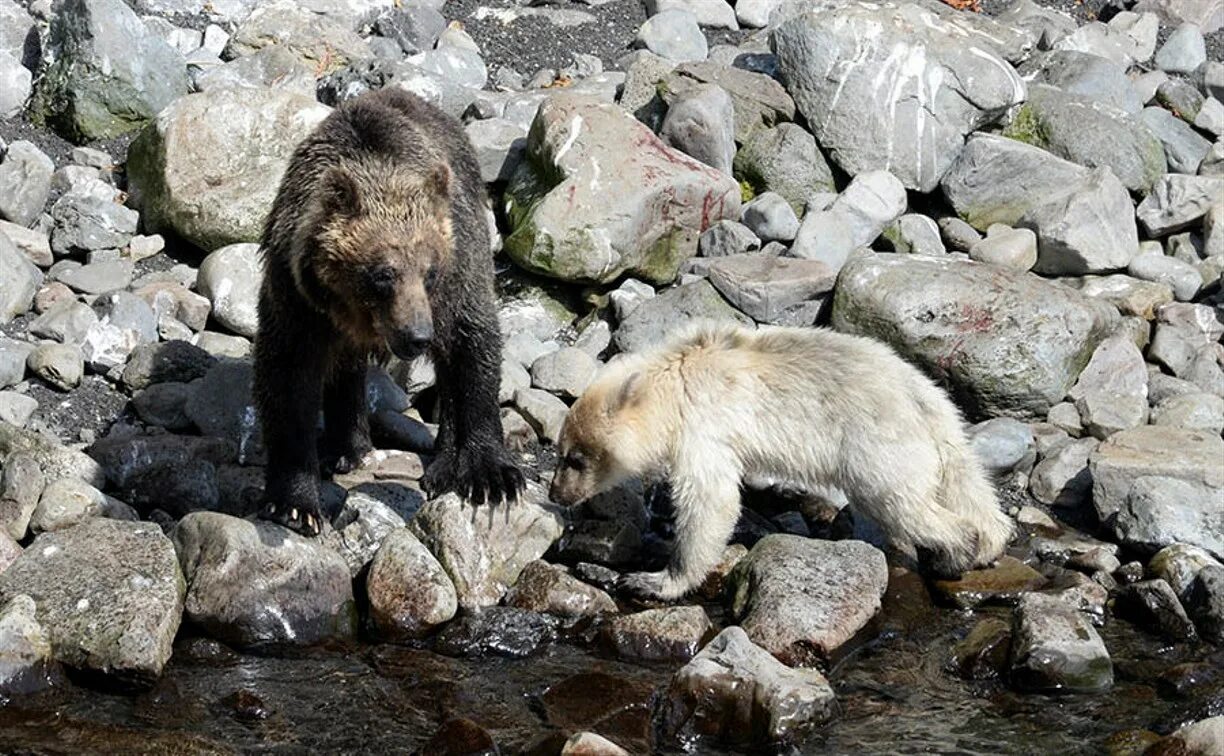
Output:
x,y
894,697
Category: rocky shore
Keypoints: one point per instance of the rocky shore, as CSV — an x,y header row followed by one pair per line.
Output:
x,y
1026,203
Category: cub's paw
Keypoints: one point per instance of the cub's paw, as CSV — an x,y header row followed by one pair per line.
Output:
x,y
947,562
659,586
482,476
301,520
339,459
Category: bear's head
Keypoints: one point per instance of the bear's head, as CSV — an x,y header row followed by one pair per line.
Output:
x,y
382,242
601,445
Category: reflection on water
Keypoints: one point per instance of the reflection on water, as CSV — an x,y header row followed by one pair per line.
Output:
x,y
894,697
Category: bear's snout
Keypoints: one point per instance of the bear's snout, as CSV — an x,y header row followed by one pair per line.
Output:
x,y
412,340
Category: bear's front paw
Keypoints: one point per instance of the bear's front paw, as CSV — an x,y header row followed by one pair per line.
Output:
x,y
301,520
479,475
660,586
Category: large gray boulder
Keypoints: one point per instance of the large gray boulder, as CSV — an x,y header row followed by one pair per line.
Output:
x,y
1156,485
1082,217
1092,134
483,549
322,43
255,583
109,73
734,691
1055,648
582,152
109,594
772,289
801,599
658,317
1008,343
208,168
892,86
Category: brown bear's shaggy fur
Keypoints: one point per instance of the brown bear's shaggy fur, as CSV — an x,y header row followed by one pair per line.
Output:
x,y
377,242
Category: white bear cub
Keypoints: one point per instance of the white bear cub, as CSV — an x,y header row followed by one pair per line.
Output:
x,y
805,405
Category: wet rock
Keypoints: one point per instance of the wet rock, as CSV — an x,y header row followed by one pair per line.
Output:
x,y
802,599
856,218
1178,202
1151,604
542,587
989,332
1178,565
497,631
1004,583
409,592
576,158
784,159
209,167
483,549
669,633
659,317
1201,738
371,512
25,182
322,43
176,361
1055,648
1111,392
772,289
701,124
19,281
736,692
252,584
591,744
983,653
1077,552
565,372
25,648
102,614
1206,603
178,489
460,737
221,405
109,72
60,365
1154,486
913,131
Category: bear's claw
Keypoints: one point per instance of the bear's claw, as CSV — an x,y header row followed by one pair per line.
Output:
x,y
301,521
481,477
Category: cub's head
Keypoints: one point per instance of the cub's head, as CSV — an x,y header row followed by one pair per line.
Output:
x,y
382,241
598,447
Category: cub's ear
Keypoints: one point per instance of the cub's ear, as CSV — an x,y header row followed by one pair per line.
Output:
x,y
339,190
625,395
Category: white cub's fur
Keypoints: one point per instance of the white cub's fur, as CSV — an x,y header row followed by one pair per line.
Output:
x,y
810,406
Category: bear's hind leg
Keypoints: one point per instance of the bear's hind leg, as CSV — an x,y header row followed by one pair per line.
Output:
x,y
346,422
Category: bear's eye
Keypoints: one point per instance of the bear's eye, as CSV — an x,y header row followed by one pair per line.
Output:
x,y
575,461
431,276
380,281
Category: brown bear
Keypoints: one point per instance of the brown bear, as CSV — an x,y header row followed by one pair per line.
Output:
x,y
377,243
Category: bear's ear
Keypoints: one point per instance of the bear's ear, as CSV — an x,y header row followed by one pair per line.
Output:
x,y
340,192
626,394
